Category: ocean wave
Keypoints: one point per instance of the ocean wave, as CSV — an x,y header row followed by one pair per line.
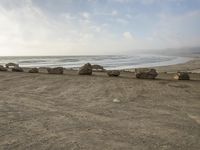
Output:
x,y
109,62
68,60
32,61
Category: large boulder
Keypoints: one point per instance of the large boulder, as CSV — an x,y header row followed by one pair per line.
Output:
x,y
98,67
11,65
85,69
2,68
57,70
113,73
17,69
34,70
182,76
146,73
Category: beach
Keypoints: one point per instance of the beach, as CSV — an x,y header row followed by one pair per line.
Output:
x,y
43,111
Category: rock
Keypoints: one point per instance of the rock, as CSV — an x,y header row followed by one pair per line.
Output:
x,y
13,65
113,73
146,73
85,69
34,70
116,101
2,68
182,76
57,70
17,69
97,67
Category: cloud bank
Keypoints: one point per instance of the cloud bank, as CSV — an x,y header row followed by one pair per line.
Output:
x,y
67,27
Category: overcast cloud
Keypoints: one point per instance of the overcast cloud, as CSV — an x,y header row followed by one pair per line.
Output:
x,y
75,27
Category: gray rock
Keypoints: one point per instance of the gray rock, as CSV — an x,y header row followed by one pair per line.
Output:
x,y
2,68
113,73
17,69
57,70
182,76
34,70
13,65
98,67
146,73
85,69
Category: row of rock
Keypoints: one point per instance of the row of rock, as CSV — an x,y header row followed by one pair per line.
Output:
x,y
58,70
14,69
13,66
87,69
141,73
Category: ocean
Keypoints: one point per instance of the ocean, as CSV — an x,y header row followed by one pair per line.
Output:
x,y
107,61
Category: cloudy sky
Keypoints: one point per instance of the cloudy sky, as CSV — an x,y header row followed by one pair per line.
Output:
x,y
76,27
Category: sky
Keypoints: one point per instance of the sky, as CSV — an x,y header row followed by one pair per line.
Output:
x,y
92,27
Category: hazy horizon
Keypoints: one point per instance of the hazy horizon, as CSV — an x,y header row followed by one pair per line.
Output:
x,y
97,27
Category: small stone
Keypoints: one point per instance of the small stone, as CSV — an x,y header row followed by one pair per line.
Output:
x,y
116,100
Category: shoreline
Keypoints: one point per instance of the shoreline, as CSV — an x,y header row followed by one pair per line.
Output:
x,y
192,66
128,63
177,61
164,72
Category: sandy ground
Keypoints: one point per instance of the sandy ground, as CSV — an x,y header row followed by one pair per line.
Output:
x,y
71,112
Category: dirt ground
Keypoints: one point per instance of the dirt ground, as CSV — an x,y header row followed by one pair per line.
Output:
x,y
71,112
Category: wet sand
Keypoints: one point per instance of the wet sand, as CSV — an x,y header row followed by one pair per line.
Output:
x,y
41,111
